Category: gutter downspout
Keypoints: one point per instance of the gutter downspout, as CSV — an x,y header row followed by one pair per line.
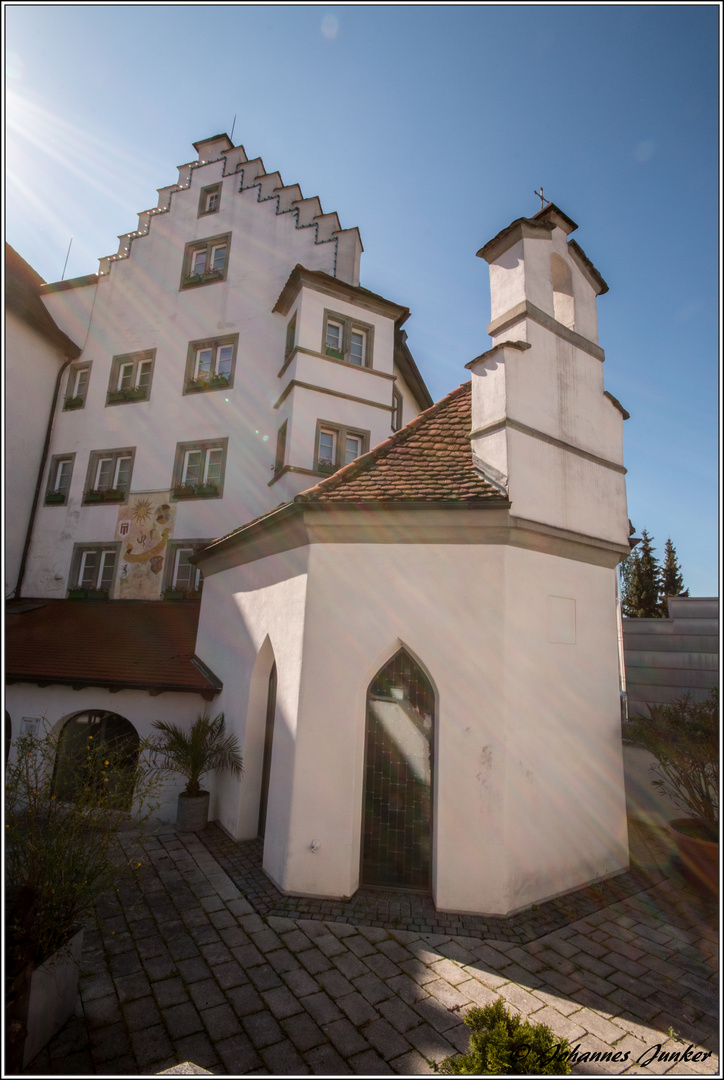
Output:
x,y
36,496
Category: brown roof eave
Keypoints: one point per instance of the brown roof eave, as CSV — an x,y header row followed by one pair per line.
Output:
x,y
71,283
355,294
410,371
275,517
113,685
487,503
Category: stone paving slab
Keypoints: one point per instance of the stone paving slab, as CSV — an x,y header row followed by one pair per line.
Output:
x,y
221,971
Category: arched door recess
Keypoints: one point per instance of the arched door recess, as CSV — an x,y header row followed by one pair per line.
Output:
x,y
109,729
271,705
397,809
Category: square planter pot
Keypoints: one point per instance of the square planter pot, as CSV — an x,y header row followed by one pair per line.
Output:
x,y
51,998
192,812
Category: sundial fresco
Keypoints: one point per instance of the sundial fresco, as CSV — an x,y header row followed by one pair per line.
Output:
x,y
144,528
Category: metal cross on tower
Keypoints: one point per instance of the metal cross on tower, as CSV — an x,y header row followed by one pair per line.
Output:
x,y
541,196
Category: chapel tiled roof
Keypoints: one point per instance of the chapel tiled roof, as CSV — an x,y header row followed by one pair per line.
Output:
x,y
124,644
430,459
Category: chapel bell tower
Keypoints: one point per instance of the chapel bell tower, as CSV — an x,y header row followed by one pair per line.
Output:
x,y
544,430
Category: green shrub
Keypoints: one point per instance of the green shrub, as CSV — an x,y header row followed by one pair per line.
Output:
x,y
504,1045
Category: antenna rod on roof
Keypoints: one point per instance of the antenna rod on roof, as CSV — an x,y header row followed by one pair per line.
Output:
x,y
232,130
66,260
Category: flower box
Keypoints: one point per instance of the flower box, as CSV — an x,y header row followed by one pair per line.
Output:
x,y
87,594
335,354
133,393
214,382
326,467
54,498
181,595
205,491
109,495
74,403
185,491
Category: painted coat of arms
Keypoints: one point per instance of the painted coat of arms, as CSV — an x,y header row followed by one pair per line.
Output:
x,y
144,528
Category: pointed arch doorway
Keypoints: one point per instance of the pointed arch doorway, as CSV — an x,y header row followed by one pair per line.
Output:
x,y
271,704
397,805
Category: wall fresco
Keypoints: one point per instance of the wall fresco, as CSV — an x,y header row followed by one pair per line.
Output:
x,y
144,527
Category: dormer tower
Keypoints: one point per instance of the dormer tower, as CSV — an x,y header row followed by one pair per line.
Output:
x,y
544,429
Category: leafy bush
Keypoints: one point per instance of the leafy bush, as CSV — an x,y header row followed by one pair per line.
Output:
x,y
684,738
505,1045
62,847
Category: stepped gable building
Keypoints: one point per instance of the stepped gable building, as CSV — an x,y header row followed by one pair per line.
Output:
x,y
408,612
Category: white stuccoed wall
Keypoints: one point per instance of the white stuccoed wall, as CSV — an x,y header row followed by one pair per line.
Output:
x,y
528,797
566,468
136,706
29,387
138,305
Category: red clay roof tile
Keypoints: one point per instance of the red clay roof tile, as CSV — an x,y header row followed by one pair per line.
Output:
x,y
430,459
122,644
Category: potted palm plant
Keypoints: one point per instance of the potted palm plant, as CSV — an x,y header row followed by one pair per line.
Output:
x,y
62,851
683,738
193,752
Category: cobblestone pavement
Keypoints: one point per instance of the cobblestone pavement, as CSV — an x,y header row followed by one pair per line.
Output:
x,y
203,960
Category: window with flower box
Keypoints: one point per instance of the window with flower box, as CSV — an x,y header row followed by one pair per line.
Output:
x,y
210,364
76,388
347,340
92,572
206,261
131,377
184,581
199,469
337,446
59,477
109,476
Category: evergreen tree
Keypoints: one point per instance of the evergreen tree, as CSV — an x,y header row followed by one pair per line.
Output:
x,y
671,581
640,582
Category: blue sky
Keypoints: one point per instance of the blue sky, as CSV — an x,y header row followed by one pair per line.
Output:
x,y
428,127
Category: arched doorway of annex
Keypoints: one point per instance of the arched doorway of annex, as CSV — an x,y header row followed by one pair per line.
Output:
x,y
396,848
258,745
109,734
